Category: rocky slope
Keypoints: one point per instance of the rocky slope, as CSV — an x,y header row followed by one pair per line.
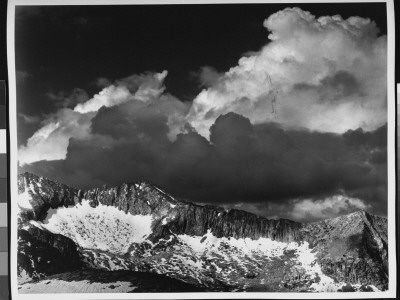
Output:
x,y
95,281
139,227
351,248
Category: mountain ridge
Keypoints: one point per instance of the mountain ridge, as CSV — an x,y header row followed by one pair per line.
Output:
x,y
350,248
91,191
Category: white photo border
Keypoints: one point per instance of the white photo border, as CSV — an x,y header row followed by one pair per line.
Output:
x,y
391,146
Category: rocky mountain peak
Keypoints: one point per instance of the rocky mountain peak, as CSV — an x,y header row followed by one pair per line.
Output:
x,y
126,219
174,216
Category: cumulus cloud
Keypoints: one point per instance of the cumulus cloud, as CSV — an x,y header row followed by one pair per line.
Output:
x,y
312,210
110,96
207,76
144,88
242,163
51,141
297,129
316,71
305,209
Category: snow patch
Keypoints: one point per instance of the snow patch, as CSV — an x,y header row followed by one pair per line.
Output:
x,y
208,245
103,227
24,200
23,277
209,242
307,260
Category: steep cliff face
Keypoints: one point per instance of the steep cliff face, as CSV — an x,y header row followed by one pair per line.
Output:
x,y
197,220
187,218
145,199
139,227
37,195
351,248
41,253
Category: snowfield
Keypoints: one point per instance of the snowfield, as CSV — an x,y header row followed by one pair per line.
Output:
x,y
24,199
209,242
242,250
102,228
110,239
207,259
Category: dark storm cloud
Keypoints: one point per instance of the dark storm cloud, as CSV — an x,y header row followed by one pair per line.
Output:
x,y
192,145
360,138
242,163
131,122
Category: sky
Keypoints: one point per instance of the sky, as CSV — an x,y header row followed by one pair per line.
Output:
x,y
280,110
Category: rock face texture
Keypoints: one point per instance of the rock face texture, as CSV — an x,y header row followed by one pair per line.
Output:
x,y
43,253
145,199
350,249
44,194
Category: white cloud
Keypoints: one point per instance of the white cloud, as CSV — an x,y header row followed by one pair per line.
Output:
x,y
310,209
299,70
325,74
150,87
51,141
109,96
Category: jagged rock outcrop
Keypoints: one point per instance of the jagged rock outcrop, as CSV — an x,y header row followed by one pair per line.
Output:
x,y
351,248
143,199
197,220
45,194
42,253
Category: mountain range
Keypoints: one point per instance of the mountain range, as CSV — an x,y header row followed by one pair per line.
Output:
x,y
137,238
